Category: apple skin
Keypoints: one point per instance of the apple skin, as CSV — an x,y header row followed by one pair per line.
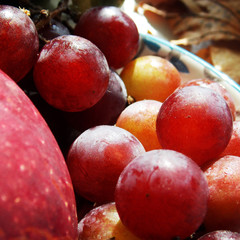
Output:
x,y
37,200
103,223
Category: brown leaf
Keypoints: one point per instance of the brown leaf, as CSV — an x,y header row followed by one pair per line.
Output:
x,y
205,54
226,58
205,20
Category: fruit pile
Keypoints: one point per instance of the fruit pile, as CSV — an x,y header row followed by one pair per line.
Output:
x,y
100,143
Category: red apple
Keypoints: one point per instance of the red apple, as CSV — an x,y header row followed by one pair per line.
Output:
x,y
103,223
37,200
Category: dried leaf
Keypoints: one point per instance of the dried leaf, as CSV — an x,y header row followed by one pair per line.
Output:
x,y
226,58
205,53
205,20
207,28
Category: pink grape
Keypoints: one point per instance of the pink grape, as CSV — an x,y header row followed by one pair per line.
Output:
x,y
195,121
220,235
162,194
96,159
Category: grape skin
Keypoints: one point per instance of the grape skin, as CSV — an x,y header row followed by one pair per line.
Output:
x,y
139,118
71,73
96,159
234,143
220,235
113,31
105,111
150,77
162,194
52,30
19,42
103,223
216,86
224,183
195,121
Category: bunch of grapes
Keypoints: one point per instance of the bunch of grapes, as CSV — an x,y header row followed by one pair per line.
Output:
x,y
143,149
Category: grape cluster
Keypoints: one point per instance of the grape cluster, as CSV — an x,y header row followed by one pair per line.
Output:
x,y
143,149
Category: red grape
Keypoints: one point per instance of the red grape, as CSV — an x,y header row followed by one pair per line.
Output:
x,y
223,179
103,223
19,42
234,143
53,29
195,121
221,235
162,194
113,31
216,86
64,133
71,73
96,159
106,110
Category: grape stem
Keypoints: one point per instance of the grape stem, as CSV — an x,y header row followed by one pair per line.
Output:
x,y
46,16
